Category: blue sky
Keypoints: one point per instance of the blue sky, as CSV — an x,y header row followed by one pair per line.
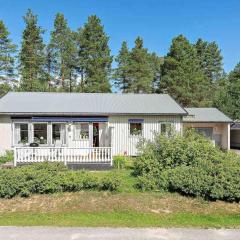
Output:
x,y
157,21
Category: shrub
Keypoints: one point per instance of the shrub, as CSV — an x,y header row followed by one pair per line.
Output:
x,y
119,162
122,162
8,157
78,180
46,178
110,182
189,164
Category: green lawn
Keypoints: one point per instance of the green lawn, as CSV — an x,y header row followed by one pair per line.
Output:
x,y
126,208
119,219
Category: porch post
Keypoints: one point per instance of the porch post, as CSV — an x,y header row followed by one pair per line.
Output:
x,y
228,136
90,134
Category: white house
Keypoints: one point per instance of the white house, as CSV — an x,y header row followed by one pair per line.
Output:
x,y
84,127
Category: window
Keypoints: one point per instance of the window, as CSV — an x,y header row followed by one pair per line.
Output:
x,y
135,128
206,132
58,134
166,129
81,131
21,133
40,133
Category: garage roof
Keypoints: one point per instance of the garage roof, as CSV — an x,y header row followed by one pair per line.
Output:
x,y
205,115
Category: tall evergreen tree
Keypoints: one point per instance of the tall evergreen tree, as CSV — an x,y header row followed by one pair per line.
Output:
x,y
121,73
50,62
141,73
210,59
182,76
94,57
7,49
63,52
228,97
31,55
156,63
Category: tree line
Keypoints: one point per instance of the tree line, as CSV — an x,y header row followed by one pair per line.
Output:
x,y
81,61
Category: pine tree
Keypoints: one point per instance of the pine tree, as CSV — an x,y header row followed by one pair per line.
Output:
x,y
94,63
140,70
50,62
63,52
7,59
228,97
210,59
32,55
121,73
156,63
182,76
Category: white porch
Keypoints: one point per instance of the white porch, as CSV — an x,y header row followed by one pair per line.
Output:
x,y
67,140
67,155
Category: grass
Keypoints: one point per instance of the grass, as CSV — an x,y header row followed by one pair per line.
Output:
x,y
118,219
126,208
105,209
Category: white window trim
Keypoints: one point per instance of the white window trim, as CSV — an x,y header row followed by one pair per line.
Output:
x,y
74,131
51,132
46,123
135,136
166,122
13,133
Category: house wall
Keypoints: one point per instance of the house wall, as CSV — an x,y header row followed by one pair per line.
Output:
x,y
5,134
115,133
121,140
218,128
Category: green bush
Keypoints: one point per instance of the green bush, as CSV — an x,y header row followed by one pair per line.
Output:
x,y
73,181
110,182
188,164
122,162
8,157
46,178
119,162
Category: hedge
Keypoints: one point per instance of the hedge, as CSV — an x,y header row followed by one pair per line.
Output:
x,y
46,178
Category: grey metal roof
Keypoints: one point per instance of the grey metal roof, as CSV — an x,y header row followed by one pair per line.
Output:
x,y
235,125
205,115
88,103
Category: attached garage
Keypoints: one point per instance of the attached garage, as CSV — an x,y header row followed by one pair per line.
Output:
x,y
235,135
210,122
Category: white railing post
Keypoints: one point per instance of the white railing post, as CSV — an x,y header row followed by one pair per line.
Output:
x,y
111,163
65,157
63,154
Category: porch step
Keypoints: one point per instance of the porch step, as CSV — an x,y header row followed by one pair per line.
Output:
x,y
7,165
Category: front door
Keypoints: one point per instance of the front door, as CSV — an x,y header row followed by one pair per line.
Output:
x,y
95,134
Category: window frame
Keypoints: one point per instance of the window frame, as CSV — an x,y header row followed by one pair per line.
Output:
x,y
75,132
172,127
14,133
59,123
46,123
210,128
135,121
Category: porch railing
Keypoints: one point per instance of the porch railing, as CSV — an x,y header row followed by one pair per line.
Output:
x,y
62,154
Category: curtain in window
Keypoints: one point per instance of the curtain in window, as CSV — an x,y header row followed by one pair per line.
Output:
x,y
16,133
63,133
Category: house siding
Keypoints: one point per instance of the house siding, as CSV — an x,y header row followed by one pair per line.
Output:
x,y
121,140
218,128
5,134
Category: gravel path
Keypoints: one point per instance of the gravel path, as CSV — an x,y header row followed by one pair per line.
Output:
x,y
57,233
